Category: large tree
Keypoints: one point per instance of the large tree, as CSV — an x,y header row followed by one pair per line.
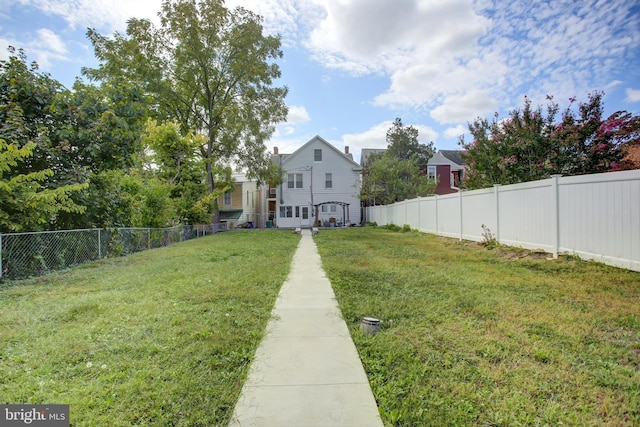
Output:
x,y
402,143
32,192
210,69
398,173
532,144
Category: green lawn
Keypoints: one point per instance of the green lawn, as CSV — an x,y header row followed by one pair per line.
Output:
x,y
473,337
162,337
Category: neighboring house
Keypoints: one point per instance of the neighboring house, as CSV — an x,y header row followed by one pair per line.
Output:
x,y
242,204
447,167
366,152
321,186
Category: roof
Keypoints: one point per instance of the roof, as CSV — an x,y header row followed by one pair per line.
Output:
x,y
281,159
227,214
439,159
454,155
366,152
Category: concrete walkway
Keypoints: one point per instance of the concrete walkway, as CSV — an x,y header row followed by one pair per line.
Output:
x,y
306,371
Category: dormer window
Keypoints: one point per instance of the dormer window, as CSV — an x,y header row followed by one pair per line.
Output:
x,y
317,155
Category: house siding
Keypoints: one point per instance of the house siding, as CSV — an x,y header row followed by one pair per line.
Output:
x,y
345,185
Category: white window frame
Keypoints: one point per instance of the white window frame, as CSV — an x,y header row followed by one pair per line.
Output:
x,y
328,180
432,172
286,211
295,180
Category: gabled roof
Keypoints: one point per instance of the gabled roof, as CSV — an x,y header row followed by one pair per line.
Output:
x,y
454,155
366,152
439,159
286,157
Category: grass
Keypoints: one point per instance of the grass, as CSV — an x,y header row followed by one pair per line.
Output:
x,y
473,337
162,337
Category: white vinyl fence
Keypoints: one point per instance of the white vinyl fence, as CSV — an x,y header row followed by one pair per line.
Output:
x,y
593,216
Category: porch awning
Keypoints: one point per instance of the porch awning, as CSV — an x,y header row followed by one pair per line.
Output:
x,y
228,214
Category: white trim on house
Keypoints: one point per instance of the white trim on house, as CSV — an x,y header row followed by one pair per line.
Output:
x,y
310,179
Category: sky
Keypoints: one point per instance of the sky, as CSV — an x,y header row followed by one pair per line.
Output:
x,y
353,66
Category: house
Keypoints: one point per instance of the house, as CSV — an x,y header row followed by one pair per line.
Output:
x,y
447,167
321,187
367,152
242,204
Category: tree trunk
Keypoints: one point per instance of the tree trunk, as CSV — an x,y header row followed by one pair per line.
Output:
x,y
215,219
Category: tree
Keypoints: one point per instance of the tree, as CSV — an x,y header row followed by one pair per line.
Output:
x,y
529,144
389,179
210,70
398,173
31,192
403,144
175,160
24,204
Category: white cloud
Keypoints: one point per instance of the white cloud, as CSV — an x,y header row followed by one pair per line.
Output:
x,y
376,137
633,95
51,41
433,52
44,47
460,108
456,131
106,15
297,114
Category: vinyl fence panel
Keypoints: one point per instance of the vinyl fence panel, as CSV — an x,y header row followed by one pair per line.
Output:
x,y
593,216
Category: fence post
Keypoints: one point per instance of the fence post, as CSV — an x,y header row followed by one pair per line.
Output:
x,y
0,255
436,214
555,226
99,243
461,219
496,192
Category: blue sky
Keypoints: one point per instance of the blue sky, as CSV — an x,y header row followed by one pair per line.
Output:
x,y
353,66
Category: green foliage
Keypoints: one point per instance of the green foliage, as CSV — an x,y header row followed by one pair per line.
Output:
x,y
99,127
488,238
206,68
32,193
532,145
398,173
24,204
402,142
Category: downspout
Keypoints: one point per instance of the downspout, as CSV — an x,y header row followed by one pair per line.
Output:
x,y
281,195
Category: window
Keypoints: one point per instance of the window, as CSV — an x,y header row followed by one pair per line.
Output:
x,y
328,208
317,155
328,181
297,211
294,180
227,198
286,212
431,172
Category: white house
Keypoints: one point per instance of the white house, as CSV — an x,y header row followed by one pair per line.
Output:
x,y
321,186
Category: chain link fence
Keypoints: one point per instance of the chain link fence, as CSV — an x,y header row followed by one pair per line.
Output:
x,y
25,255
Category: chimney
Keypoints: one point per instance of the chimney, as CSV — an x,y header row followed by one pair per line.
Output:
x,y
346,149
275,150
